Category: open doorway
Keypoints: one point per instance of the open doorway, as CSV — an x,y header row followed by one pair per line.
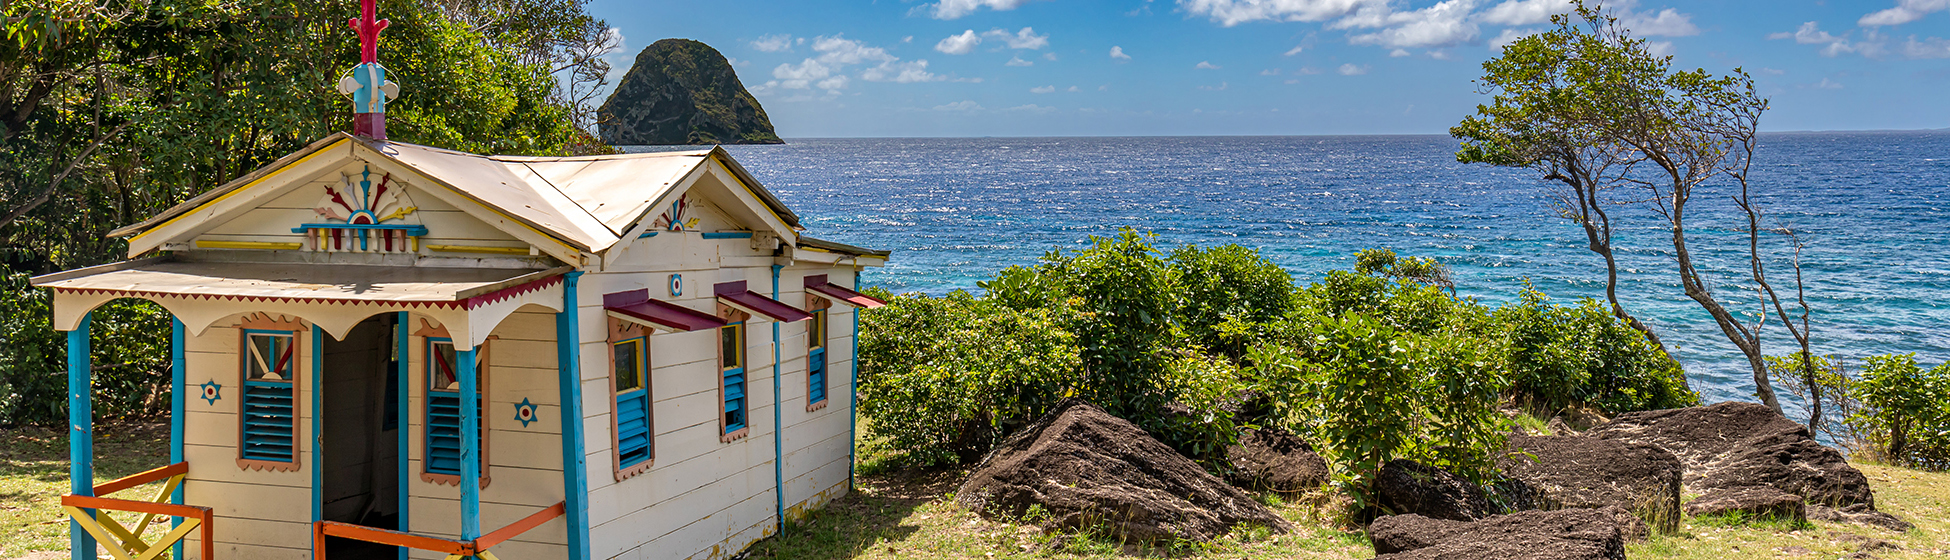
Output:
x,y
360,458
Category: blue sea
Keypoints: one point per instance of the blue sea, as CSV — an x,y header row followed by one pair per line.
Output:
x,y
1872,208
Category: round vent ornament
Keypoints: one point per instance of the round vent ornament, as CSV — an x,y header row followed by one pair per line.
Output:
x,y
676,285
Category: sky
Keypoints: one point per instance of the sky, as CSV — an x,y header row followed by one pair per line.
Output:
x,y
959,68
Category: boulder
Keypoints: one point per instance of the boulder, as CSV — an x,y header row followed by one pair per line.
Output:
x,y
1276,461
1405,487
1566,534
1087,469
1734,445
1558,472
681,91
1860,514
1756,501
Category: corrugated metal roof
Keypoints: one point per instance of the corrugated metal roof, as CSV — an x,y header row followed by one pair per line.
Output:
x,y
509,187
292,281
616,189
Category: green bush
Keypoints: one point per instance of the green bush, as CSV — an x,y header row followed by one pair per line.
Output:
x,y
1905,411
1228,285
1559,356
945,379
130,354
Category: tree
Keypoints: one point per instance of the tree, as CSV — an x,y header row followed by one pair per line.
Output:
x,y
1554,93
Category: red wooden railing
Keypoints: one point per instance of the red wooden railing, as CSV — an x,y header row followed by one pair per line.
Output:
x,y
126,544
454,548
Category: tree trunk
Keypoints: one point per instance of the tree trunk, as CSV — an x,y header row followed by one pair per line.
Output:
x,y
1696,288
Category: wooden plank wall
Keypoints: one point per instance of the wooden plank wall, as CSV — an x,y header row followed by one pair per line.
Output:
x,y
705,498
273,220
259,513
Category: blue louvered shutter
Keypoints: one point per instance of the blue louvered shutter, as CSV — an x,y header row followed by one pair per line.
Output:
x,y
631,372
732,358
816,359
443,409
270,367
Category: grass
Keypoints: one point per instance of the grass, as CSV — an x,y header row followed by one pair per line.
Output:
x,y
910,514
34,475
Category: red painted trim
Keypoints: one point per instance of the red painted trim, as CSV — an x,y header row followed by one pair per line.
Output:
x,y
141,478
153,295
510,292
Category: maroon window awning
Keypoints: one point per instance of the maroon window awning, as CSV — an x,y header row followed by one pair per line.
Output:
x,y
736,295
636,306
817,284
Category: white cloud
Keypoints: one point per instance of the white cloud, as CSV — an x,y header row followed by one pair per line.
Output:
x,y
1221,87
959,106
959,44
840,50
1206,65
1905,11
773,43
907,39
1234,12
1024,39
1525,12
1511,35
1118,53
1667,23
1295,50
1350,69
951,9
1444,24
1073,89
1049,56
802,75
1810,33
1825,83
1933,47
1270,72
1308,70
833,83
1031,108
1398,53
1659,48
900,72
1043,89
1018,61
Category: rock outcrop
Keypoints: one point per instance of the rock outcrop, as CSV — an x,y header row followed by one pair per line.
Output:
x,y
1408,487
1557,472
1566,534
1088,469
1734,445
683,92
1275,461
1753,501
1860,514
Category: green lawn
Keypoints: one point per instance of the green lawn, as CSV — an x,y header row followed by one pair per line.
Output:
x,y
911,515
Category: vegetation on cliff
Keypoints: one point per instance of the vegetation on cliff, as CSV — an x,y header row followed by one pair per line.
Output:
x,y
681,91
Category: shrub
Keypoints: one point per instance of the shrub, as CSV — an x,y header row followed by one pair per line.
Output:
x,y
1905,411
945,379
1564,355
1226,290
130,354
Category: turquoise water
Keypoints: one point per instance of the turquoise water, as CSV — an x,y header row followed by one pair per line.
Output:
x,y
1872,208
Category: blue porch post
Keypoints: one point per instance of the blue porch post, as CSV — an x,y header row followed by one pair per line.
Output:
x,y
470,447
317,376
403,426
81,433
178,413
853,399
575,470
778,418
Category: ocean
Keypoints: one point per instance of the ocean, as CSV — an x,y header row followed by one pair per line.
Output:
x,y
1871,208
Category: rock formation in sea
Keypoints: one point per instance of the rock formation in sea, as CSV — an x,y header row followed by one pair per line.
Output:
x,y
681,91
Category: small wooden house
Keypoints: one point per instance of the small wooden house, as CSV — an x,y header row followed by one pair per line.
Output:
x,y
653,359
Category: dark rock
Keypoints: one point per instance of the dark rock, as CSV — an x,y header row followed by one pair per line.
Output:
x,y
1733,445
1273,460
1860,514
1581,472
1756,501
1629,524
681,91
1088,469
1405,487
1863,545
1566,534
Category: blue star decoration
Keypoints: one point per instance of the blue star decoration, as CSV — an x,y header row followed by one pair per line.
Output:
x,y
212,391
525,412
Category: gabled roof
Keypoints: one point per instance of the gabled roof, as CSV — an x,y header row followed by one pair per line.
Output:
x,y
589,202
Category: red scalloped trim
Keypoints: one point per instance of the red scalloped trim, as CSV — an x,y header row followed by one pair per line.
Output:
x,y
510,292
147,294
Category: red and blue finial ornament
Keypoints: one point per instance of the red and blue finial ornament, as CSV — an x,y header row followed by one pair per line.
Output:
x,y
367,83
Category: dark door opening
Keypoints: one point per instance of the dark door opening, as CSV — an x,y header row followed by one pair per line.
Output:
x,y
360,461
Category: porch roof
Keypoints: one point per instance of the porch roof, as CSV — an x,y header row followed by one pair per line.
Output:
x,y
295,281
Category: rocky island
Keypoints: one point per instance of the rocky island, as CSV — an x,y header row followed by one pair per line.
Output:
x,y
681,91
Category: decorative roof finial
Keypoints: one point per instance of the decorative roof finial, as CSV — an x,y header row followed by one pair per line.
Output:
x,y
367,83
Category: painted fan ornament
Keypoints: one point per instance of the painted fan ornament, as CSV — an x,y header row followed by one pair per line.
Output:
x,y
362,201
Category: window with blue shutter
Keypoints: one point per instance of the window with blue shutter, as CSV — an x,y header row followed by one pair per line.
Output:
x,y
731,356
270,398
816,359
443,409
630,361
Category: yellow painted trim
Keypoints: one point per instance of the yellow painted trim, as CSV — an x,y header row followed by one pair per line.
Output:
x,y
88,524
479,249
200,244
260,180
